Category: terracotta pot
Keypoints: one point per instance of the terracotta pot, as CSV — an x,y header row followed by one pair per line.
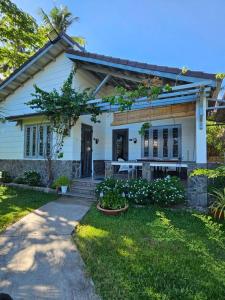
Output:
x,y
112,212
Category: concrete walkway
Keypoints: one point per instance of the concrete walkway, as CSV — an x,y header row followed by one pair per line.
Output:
x,y
38,259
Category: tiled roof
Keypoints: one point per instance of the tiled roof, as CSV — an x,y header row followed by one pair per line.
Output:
x,y
137,64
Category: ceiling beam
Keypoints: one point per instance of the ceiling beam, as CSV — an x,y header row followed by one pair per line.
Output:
x,y
100,86
112,73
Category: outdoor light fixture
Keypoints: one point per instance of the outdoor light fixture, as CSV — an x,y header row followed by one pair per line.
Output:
x,y
133,140
96,140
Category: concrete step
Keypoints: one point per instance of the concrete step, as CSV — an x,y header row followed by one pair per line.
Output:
x,y
85,183
80,196
83,190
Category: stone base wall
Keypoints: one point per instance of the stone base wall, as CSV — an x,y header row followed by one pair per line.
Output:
x,y
69,168
99,167
197,193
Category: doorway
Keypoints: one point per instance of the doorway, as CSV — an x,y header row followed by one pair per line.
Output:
x,y
120,144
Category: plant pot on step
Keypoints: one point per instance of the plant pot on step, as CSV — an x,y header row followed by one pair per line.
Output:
x,y
64,189
112,212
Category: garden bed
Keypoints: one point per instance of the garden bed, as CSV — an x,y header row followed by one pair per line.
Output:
x,y
33,188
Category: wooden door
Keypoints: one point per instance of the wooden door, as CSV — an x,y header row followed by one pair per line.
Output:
x,y
86,150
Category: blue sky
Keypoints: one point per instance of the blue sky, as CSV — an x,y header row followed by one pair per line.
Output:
x,y
166,32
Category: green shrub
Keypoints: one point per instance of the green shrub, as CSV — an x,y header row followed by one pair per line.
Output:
x,y
112,200
216,177
139,191
5,177
32,178
168,191
111,184
61,181
20,180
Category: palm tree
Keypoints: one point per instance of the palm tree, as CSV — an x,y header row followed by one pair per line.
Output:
x,y
59,19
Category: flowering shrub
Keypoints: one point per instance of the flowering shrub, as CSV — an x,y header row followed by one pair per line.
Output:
x,y
167,191
163,192
139,191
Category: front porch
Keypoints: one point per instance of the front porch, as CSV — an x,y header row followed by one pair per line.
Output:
x,y
145,169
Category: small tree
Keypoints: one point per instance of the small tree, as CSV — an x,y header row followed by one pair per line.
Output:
x,y
62,108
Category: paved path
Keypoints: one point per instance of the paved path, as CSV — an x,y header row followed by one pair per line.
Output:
x,y
38,259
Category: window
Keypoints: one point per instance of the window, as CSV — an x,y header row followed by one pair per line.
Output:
x,y
162,142
38,140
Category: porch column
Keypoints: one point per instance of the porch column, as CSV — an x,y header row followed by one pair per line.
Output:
x,y
108,169
201,138
146,171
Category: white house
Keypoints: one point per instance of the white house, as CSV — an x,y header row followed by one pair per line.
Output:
x,y
176,139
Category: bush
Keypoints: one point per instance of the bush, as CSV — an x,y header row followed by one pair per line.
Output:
x,y
19,180
139,191
216,177
5,177
111,184
32,178
61,181
167,191
112,200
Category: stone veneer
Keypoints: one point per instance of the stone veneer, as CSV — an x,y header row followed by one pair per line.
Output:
x,y
99,167
197,194
69,168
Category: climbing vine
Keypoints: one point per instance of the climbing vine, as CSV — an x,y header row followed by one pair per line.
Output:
x,y
64,107
125,98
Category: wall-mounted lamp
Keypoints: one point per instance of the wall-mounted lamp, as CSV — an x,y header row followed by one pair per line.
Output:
x,y
134,140
96,140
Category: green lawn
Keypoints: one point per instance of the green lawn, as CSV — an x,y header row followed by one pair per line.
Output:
x,y
152,253
16,203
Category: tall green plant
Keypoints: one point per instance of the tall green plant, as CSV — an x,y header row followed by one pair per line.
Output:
x,y
60,19
218,206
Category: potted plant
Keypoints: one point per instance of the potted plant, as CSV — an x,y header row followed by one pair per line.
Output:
x,y
63,182
112,203
218,206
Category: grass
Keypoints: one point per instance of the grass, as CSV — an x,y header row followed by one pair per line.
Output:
x,y
16,203
151,253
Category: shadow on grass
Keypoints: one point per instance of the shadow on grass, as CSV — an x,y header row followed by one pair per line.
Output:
x,y
154,253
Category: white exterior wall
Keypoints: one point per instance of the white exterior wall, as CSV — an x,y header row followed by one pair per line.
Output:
x,y
187,141
103,131
53,76
12,137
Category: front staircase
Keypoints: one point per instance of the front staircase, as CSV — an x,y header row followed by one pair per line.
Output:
x,y
83,189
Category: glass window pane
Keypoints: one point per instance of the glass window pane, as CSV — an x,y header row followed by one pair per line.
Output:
x,y
41,140
165,142
175,142
146,144
48,142
155,143
28,141
34,141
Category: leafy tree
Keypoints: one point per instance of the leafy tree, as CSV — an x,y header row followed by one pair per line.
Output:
x,y
20,37
59,19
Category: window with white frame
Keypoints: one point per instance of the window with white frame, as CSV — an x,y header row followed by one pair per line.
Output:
x,y
38,141
162,142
